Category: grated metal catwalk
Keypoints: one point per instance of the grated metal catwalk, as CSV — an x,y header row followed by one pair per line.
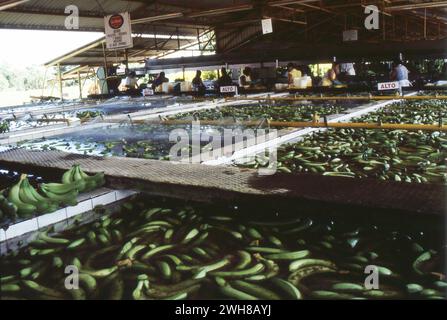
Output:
x,y
217,183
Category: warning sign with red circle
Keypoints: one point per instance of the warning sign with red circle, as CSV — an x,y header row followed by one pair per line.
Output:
x,y
116,21
118,31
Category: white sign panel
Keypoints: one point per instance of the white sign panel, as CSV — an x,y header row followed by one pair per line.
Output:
x,y
227,89
394,85
147,92
118,31
350,35
267,26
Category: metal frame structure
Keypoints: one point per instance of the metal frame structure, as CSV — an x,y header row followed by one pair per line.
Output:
x,y
302,28
402,20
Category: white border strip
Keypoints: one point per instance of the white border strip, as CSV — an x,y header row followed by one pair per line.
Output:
x,y
86,205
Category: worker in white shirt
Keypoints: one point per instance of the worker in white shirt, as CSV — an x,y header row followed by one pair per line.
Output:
x,y
347,69
131,81
399,71
245,78
292,72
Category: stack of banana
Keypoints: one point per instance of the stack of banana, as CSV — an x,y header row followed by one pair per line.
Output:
x,y
23,200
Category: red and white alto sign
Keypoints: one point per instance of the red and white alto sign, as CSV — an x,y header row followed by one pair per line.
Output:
x,y
394,85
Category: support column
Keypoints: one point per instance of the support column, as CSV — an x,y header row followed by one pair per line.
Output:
x,y
198,38
126,56
105,58
59,77
80,85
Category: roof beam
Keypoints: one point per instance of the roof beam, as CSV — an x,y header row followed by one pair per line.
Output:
x,y
286,20
74,71
11,3
288,2
289,8
76,52
157,18
315,7
424,5
205,13
214,12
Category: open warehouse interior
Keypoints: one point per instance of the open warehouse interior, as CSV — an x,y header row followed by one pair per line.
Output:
x,y
230,150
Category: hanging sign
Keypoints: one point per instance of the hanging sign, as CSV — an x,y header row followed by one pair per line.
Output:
x,y
228,89
118,31
394,85
350,35
267,26
147,92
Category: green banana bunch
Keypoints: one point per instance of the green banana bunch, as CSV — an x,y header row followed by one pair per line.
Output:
x,y
7,209
59,193
24,208
83,181
27,200
69,179
23,199
28,194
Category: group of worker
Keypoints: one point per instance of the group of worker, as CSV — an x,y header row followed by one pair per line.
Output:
x,y
333,77
338,72
131,82
197,82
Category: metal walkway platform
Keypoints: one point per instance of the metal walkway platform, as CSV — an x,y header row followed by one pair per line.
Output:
x,y
217,183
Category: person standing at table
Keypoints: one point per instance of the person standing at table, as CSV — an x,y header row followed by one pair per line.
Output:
x,y
159,80
292,73
245,78
225,79
197,83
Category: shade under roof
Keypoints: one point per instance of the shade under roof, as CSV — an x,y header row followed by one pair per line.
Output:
x,y
92,54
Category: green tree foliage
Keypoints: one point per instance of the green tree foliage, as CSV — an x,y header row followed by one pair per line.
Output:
x,y
21,78
209,75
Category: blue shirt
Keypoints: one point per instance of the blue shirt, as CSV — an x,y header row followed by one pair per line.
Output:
x,y
401,73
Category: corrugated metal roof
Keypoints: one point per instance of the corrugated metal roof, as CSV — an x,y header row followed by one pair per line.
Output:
x,y
294,21
207,4
50,15
92,6
9,20
92,54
